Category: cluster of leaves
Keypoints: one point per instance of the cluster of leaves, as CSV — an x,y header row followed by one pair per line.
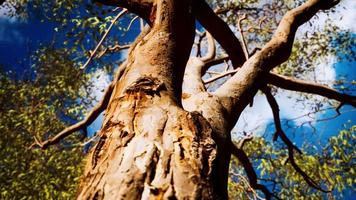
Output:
x,y
332,166
37,107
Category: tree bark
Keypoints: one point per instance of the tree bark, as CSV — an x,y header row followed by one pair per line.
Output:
x,y
149,147
152,148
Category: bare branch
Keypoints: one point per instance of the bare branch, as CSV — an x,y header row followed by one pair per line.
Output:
x,y
244,45
245,181
201,35
289,83
211,49
100,107
95,112
291,147
141,8
92,54
220,31
238,91
216,61
277,121
112,49
221,75
131,22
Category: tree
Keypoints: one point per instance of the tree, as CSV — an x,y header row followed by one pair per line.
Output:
x,y
160,139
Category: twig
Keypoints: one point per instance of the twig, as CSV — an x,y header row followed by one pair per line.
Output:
x,y
220,76
112,49
131,22
92,54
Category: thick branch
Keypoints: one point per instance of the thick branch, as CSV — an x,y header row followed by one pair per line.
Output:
x,y
289,83
220,31
278,49
241,88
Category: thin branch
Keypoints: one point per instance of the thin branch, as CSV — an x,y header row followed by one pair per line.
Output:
x,y
221,75
112,49
244,45
201,35
289,83
251,174
144,10
100,107
291,147
244,139
217,61
131,22
248,185
293,84
211,48
92,54
277,121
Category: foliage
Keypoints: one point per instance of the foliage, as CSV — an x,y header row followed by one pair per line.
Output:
x,y
35,107
332,167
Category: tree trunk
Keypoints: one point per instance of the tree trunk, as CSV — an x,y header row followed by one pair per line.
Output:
x,y
149,147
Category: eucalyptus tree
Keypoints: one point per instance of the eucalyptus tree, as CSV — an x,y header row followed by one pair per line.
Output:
x,y
164,135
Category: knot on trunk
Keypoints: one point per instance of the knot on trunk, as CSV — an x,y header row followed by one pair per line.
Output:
x,y
148,85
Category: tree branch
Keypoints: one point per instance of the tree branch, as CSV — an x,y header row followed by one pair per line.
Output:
x,y
142,8
251,174
92,54
244,45
238,91
94,113
291,147
112,49
277,121
220,31
289,83
211,49
100,107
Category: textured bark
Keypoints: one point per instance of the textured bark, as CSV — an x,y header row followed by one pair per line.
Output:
x,y
150,148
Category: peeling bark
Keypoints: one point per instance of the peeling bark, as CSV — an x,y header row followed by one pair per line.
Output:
x,y
150,148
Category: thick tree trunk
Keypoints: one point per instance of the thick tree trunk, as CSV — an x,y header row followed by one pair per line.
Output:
x,y
150,148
